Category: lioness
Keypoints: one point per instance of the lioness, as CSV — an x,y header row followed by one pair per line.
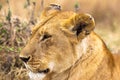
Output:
x,y
65,47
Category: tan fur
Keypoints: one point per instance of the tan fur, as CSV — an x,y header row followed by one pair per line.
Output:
x,y
73,51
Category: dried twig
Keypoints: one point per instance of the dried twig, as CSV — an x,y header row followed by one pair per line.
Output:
x,y
32,19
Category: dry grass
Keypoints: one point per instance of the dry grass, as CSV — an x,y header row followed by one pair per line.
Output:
x,y
110,34
11,68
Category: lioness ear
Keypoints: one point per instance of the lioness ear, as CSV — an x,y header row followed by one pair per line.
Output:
x,y
80,24
47,14
50,10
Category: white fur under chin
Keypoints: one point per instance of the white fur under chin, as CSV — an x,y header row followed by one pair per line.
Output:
x,y
36,76
39,76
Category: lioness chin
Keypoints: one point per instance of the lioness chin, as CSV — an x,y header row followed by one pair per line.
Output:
x,y
63,46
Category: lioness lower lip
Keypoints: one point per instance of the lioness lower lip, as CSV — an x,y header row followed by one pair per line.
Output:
x,y
44,71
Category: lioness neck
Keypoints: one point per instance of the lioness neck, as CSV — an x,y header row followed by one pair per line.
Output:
x,y
92,55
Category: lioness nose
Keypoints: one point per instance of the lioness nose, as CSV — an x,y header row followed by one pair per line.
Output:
x,y
25,59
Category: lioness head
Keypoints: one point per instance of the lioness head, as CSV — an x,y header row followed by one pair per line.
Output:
x,y
52,46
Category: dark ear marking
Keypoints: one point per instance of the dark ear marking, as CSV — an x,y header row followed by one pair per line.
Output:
x,y
79,27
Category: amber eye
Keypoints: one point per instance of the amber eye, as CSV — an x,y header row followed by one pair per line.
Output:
x,y
45,36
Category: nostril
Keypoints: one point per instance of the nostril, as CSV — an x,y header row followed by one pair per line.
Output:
x,y
25,59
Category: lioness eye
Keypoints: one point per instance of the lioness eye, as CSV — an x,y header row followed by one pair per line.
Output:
x,y
46,36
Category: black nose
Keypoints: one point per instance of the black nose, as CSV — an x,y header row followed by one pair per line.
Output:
x,y
25,59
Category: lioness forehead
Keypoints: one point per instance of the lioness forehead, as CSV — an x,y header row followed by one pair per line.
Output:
x,y
53,21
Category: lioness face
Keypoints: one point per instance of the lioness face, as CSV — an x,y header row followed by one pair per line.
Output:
x,y
52,47
48,50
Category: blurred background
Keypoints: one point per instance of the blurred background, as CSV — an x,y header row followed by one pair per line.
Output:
x,y
17,17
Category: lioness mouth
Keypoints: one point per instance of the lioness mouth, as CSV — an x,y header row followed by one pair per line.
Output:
x,y
44,71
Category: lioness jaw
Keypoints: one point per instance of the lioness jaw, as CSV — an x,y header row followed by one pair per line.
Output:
x,y
64,46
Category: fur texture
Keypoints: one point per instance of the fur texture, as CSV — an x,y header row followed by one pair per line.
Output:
x,y
63,46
